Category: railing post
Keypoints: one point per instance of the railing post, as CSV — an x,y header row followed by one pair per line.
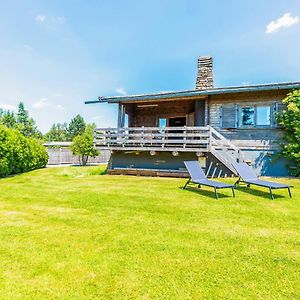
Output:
x,y
209,137
142,136
184,137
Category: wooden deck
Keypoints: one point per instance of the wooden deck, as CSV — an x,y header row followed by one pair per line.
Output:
x,y
184,139
172,139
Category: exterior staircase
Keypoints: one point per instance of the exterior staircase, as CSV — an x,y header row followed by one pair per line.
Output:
x,y
224,150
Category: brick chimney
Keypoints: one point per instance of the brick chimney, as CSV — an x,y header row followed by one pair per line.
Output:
x,y
205,73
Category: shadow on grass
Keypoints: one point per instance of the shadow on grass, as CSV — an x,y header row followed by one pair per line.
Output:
x,y
207,193
254,192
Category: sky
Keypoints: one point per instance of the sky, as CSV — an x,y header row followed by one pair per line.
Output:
x,y
56,54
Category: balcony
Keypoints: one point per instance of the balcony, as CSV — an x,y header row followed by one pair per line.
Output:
x,y
184,139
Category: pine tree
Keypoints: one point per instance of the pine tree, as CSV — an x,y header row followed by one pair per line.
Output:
x,y
25,124
76,127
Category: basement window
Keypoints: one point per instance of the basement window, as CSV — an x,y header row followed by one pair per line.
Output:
x,y
255,116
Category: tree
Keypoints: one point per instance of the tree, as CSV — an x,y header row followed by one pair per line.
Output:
x,y
57,133
25,124
289,119
83,145
8,119
22,115
76,127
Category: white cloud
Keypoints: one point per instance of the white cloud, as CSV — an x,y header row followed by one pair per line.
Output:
x,y
8,107
40,18
41,103
287,20
96,118
246,83
121,91
59,107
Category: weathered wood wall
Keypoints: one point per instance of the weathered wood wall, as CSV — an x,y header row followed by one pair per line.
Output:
x,y
245,136
208,111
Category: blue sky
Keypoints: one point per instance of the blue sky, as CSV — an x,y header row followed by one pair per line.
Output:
x,y
54,54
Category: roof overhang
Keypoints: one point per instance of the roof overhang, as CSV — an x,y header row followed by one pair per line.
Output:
x,y
192,94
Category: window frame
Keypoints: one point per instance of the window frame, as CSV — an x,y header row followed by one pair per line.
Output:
x,y
255,106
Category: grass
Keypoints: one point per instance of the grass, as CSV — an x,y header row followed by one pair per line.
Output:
x,y
72,232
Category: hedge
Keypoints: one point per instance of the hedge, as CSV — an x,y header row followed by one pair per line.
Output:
x,y
18,153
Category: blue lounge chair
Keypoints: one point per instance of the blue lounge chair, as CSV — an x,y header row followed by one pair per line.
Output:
x,y
247,175
197,176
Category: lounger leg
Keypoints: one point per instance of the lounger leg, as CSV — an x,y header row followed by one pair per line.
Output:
x,y
216,194
290,194
238,181
233,194
187,183
271,194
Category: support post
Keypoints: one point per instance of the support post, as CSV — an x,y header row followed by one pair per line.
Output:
x,y
121,117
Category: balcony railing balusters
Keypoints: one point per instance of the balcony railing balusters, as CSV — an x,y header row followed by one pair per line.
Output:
x,y
186,138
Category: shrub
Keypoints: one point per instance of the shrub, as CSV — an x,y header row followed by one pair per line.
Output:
x,y
289,119
83,145
18,153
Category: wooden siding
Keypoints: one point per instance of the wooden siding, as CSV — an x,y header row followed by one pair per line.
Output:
x,y
262,136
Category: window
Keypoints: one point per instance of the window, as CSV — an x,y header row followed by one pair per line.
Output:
x,y
162,122
263,116
247,116
126,121
255,116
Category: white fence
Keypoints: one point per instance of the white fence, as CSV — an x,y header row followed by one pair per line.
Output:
x,y
60,153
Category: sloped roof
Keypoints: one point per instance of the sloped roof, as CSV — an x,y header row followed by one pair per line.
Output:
x,y
195,93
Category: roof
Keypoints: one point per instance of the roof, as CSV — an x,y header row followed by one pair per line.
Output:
x,y
195,93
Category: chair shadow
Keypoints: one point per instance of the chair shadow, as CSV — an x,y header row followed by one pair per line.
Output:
x,y
207,193
258,193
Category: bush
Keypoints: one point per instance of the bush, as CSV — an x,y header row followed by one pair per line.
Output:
x,y
289,119
83,145
18,153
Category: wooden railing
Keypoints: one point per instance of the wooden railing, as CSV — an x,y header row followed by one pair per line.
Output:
x,y
153,138
224,150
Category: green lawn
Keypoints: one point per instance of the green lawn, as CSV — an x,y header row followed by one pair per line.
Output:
x,y
75,233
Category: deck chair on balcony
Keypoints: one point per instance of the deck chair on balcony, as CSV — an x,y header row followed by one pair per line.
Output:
x,y
247,175
197,176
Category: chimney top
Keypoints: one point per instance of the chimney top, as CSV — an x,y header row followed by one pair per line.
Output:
x,y
205,73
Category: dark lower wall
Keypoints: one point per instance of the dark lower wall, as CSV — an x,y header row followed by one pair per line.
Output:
x,y
263,162
166,161
143,160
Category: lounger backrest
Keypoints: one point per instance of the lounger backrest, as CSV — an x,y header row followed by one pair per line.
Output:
x,y
195,170
245,171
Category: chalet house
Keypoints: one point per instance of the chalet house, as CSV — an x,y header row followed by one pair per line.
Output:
x,y
216,126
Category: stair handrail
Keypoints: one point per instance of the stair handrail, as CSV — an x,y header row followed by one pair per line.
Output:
x,y
213,131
